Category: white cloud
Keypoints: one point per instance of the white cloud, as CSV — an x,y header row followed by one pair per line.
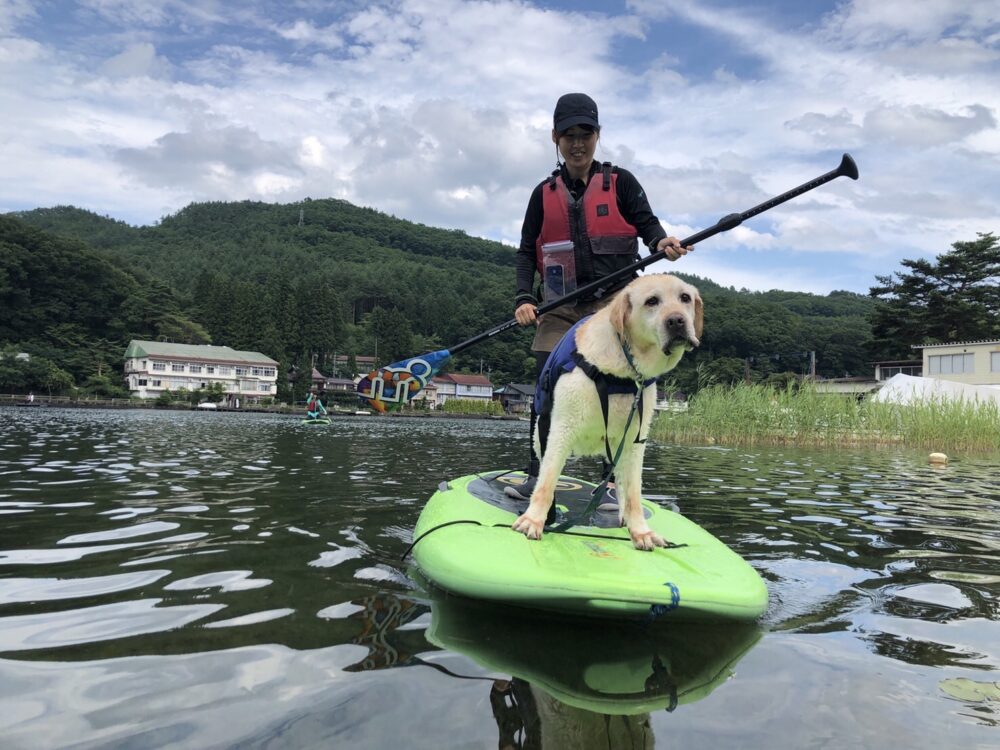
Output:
x,y
838,127
953,56
312,153
144,12
918,126
152,13
305,32
14,11
213,162
439,111
880,21
136,60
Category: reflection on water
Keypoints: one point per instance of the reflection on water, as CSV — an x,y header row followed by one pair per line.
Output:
x,y
211,580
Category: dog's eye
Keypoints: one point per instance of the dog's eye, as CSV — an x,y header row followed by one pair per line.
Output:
x,y
652,301
685,297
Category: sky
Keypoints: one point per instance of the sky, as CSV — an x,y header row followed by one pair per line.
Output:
x,y
440,112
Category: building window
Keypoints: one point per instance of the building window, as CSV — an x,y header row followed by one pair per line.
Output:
x,y
155,383
195,369
159,367
210,369
225,370
264,387
952,364
142,382
176,367
887,372
994,361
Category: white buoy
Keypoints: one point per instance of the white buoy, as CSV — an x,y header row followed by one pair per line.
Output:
x,y
938,458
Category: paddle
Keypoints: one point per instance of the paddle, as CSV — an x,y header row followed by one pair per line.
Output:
x,y
389,388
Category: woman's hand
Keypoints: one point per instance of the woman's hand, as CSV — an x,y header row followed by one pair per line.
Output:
x,y
671,247
525,314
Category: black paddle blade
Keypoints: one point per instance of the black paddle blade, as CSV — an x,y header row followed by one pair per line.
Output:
x,y
391,387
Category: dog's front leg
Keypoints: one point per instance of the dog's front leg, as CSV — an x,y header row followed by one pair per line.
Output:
x,y
532,521
630,512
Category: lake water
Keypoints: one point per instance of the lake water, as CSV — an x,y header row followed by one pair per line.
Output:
x,y
192,580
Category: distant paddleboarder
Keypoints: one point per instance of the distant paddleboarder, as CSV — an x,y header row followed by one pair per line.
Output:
x,y
314,407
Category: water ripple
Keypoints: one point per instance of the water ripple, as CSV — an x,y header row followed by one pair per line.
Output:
x,y
93,624
155,562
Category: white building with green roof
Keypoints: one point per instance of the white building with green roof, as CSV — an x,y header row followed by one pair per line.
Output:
x,y
152,367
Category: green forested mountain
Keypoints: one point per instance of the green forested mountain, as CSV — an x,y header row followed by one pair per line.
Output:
x,y
301,282
72,308
777,330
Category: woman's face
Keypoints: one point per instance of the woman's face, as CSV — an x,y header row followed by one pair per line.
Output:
x,y
577,146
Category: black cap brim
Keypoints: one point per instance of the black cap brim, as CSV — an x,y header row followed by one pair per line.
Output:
x,y
567,122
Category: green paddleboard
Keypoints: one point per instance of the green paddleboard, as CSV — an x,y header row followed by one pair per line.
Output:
x,y
317,420
464,544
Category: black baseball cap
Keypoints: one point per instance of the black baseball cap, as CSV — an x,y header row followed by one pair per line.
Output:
x,y
575,109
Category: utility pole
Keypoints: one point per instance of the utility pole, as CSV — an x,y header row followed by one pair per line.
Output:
x,y
302,217
812,364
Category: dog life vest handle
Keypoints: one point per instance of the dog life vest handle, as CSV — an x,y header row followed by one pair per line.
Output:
x,y
847,168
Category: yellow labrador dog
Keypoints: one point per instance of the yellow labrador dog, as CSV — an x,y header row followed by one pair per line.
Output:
x,y
657,317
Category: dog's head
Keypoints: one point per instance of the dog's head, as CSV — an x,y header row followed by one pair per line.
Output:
x,y
659,310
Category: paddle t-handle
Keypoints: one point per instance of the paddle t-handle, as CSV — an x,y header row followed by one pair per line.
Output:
x,y
390,387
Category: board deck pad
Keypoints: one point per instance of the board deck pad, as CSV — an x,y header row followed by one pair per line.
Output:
x,y
571,499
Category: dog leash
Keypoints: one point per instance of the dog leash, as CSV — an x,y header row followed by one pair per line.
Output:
x,y
604,537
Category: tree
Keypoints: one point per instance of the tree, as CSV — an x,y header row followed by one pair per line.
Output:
x,y
390,333
723,370
19,374
955,299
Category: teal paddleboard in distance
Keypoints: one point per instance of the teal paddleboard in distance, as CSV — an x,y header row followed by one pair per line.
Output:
x,y
463,543
317,420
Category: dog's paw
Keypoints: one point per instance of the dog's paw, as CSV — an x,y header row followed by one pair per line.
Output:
x,y
530,527
647,540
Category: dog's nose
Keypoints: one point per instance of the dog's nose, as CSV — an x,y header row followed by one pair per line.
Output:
x,y
676,325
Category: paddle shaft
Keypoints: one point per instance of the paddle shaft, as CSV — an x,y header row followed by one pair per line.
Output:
x,y
847,168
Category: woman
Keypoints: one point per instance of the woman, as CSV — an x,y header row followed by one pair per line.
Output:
x,y
314,407
582,223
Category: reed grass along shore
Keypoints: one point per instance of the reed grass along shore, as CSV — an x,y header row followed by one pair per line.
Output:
x,y
763,415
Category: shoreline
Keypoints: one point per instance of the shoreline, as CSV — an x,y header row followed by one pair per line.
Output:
x,y
62,402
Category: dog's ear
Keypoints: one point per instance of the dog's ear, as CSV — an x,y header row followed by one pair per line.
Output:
x,y
621,308
699,315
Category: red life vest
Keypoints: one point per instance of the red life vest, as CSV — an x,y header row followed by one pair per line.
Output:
x,y
601,214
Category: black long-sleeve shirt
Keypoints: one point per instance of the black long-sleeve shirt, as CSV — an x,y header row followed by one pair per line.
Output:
x,y
632,203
